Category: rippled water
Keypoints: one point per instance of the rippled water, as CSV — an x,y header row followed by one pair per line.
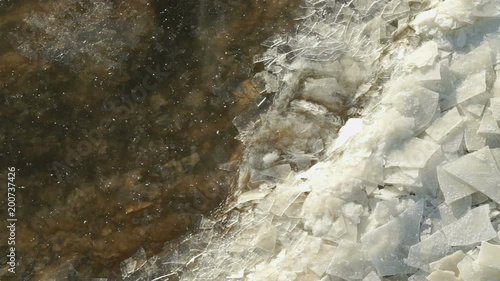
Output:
x,y
117,115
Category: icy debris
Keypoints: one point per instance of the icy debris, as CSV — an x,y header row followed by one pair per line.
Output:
x,y
472,228
389,244
495,107
489,255
322,259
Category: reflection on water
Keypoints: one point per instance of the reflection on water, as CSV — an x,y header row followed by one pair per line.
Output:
x,y
116,115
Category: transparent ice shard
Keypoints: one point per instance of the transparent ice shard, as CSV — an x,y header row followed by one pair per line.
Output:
x,y
479,170
413,154
489,255
472,228
443,127
134,263
388,245
266,237
428,250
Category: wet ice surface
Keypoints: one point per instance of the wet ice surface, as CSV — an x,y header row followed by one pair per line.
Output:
x,y
407,189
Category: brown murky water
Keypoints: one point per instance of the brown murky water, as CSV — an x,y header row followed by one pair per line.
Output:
x,y
116,115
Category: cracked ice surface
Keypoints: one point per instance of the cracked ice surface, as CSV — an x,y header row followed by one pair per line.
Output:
x,y
408,189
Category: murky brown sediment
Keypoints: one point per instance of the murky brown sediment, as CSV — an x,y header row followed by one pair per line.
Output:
x,y
111,160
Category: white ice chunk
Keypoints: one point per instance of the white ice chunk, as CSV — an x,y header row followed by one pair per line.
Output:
x,y
372,276
442,275
489,255
479,170
425,55
413,154
428,250
448,263
473,89
495,107
388,245
454,141
472,228
488,125
452,187
478,60
402,176
444,126
322,259
349,261
352,127
473,141
415,102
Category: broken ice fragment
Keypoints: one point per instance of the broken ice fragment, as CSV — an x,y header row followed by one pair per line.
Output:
x,y
478,60
413,154
415,102
495,107
448,263
322,259
444,126
473,89
372,277
473,141
472,228
489,255
349,261
488,125
428,250
479,170
452,187
443,275
388,245
425,55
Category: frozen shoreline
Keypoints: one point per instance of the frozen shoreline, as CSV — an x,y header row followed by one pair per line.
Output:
x,y
407,190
